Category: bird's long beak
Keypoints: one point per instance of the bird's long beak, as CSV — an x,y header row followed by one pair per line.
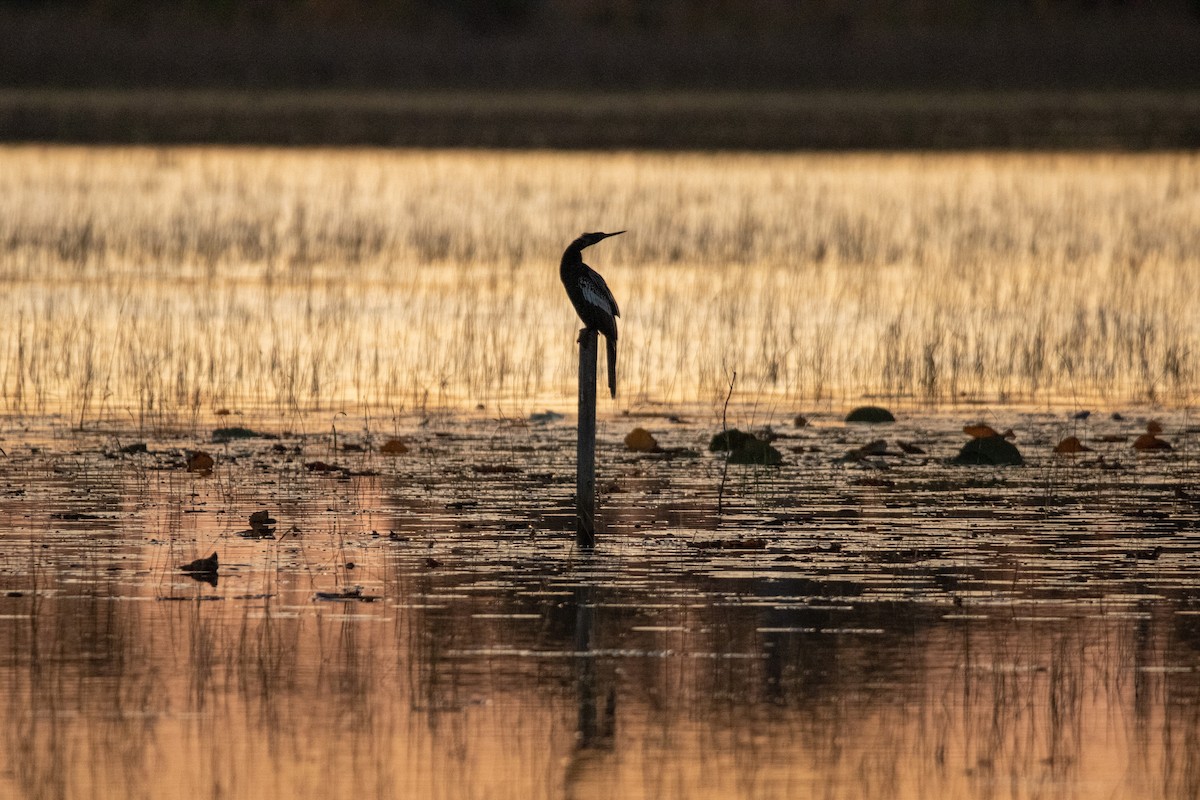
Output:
x,y
618,233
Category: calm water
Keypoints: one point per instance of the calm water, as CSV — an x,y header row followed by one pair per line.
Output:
x,y
893,628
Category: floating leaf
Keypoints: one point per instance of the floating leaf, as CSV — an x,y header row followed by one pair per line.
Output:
x,y
989,451
495,469
872,415
200,462
756,452
321,466
982,431
1148,441
394,447
732,439
1071,445
639,440
875,448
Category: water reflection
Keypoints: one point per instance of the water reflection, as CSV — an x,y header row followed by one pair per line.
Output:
x,y
880,644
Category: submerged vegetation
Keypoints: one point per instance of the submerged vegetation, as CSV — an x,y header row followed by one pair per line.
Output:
x,y
159,285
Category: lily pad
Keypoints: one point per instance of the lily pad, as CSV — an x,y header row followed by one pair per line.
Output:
x,y
1148,441
872,415
200,462
640,440
732,439
989,451
757,452
1070,446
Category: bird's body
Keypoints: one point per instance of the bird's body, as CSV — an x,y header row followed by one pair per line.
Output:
x,y
593,300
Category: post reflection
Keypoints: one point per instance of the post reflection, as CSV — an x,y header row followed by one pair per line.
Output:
x,y
508,665
588,765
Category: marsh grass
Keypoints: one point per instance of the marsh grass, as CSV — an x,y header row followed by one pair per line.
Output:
x,y
161,285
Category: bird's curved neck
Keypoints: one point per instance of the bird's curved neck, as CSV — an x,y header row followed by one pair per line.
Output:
x,y
573,255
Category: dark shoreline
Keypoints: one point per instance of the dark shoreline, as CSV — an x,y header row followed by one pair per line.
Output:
x,y
757,121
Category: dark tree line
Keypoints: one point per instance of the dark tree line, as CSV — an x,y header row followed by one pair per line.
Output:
x,y
645,14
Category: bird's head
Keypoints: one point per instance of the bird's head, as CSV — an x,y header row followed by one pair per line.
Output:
x,y
589,239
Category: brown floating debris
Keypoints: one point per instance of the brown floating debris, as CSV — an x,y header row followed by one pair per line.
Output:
x,y
910,448
800,421
200,462
640,440
982,431
355,594
394,447
859,454
495,469
729,544
1148,441
1070,446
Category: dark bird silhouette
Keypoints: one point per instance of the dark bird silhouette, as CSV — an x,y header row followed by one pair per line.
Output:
x,y
593,300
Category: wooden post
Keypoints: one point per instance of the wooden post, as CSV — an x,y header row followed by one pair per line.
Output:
x,y
585,463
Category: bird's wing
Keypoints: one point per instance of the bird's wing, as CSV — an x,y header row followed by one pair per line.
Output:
x,y
596,291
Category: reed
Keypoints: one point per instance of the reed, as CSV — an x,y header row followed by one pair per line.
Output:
x,y
165,284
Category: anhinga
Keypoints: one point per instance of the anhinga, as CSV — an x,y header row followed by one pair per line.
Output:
x,y
592,298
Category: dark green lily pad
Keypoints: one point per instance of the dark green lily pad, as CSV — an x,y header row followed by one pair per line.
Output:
x,y
989,451
732,439
755,451
870,414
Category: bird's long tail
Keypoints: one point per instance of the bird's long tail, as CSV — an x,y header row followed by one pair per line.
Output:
x,y
612,364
